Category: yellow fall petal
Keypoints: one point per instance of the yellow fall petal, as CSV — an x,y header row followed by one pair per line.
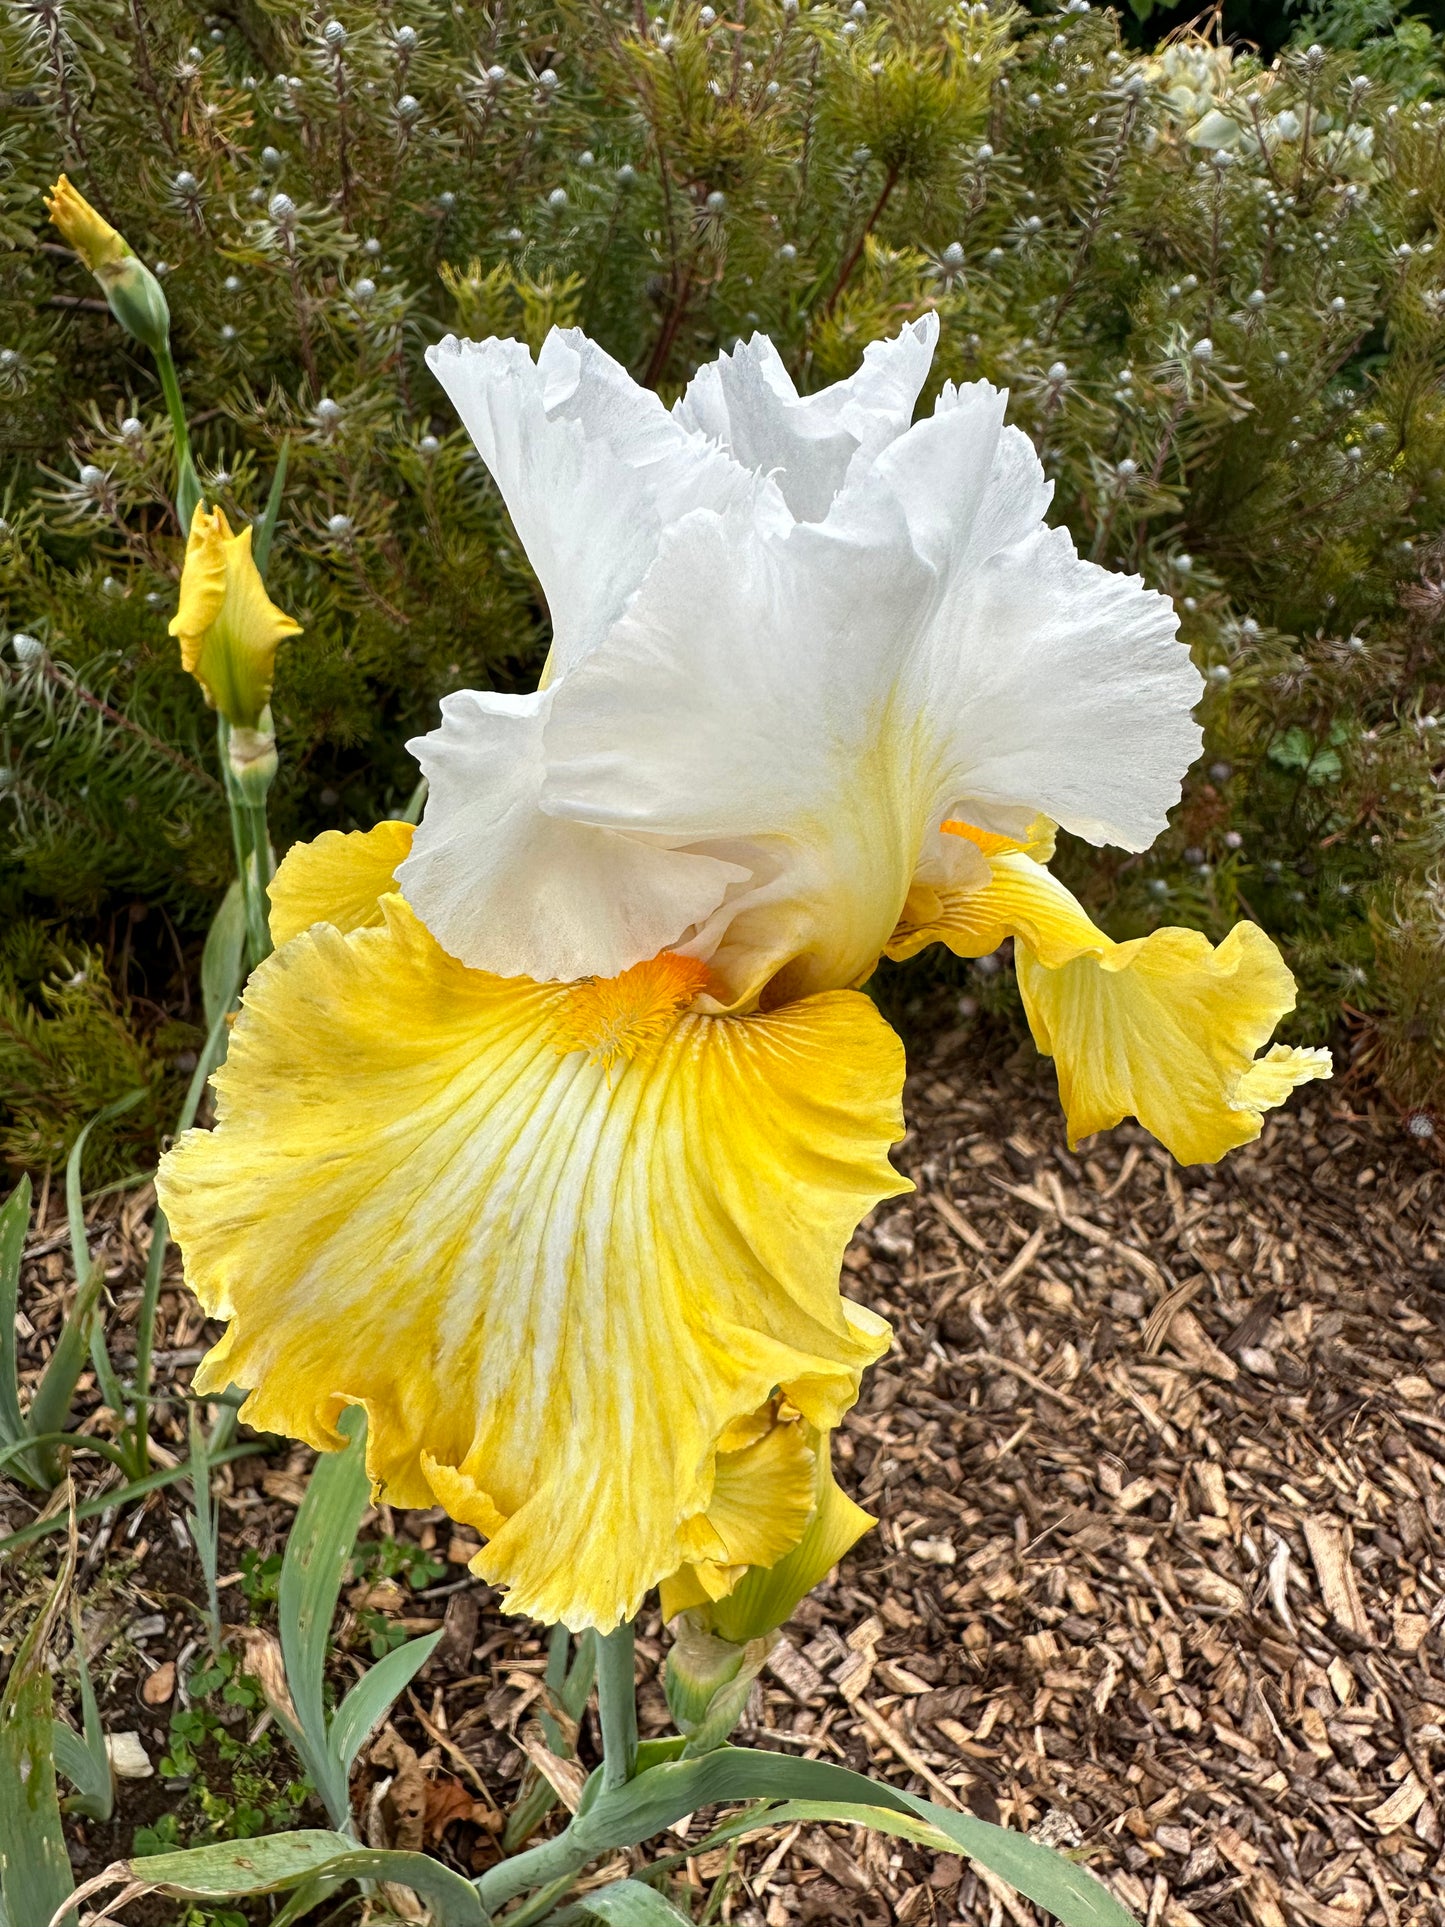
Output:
x,y
227,625
339,878
762,1498
766,1595
553,1294
1165,1028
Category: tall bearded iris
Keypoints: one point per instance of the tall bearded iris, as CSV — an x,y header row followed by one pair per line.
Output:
x,y
544,1130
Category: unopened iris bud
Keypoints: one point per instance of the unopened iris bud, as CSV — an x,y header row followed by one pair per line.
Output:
x,y
228,627
131,290
708,1680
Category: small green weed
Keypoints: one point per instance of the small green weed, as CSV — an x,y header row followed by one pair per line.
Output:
x,y
232,1786
260,1579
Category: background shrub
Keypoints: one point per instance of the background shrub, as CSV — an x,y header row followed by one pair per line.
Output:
x,y
1207,279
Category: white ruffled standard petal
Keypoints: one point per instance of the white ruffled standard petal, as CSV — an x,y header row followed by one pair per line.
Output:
x,y
505,888
1060,684
747,705
746,401
591,467
812,705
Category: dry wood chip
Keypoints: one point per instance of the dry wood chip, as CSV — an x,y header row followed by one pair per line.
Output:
x,y
1330,1555
1194,1345
565,1777
853,1676
788,1666
826,1853
1401,1807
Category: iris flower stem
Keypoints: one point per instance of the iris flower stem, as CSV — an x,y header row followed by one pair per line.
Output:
x,y
251,846
617,1706
188,486
556,1860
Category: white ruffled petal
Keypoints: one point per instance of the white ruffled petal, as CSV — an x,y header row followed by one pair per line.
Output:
x,y
811,705
746,402
1064,689
746,704
591,467
505,888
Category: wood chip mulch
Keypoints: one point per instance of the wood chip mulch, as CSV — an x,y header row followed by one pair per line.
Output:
x,y
1159,1465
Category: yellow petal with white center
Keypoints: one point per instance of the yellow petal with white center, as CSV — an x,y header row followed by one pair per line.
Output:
x,y
1165,1028
552,1293
228,627
339,878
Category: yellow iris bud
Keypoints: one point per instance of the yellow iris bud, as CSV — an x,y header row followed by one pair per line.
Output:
x,y
132,291
228,627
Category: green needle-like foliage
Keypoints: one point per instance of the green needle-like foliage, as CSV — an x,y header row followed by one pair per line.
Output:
x,y
1208,282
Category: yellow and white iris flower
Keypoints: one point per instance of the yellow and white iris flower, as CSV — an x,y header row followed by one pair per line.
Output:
x,y
543,1132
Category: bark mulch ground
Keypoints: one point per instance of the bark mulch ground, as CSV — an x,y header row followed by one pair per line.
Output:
x,y
1159,1464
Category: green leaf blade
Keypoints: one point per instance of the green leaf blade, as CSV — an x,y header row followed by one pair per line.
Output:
x,y
373,1695
626,1903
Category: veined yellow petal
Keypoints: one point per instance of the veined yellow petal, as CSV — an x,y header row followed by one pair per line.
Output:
x,y
1166,1029
766,1595
762,1498
552,1294
339,878
1022,899
227,625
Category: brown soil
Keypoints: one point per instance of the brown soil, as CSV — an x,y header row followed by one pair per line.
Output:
x,y
1159,1463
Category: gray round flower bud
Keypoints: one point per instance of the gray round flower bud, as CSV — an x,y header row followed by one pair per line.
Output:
x,y
132,428
328,412
557,198
186,182
365,290
335,35
282,209
1203,349
953,255
407,39
716,201
339,526
408,107
27,648
428,444
626,174
91,477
